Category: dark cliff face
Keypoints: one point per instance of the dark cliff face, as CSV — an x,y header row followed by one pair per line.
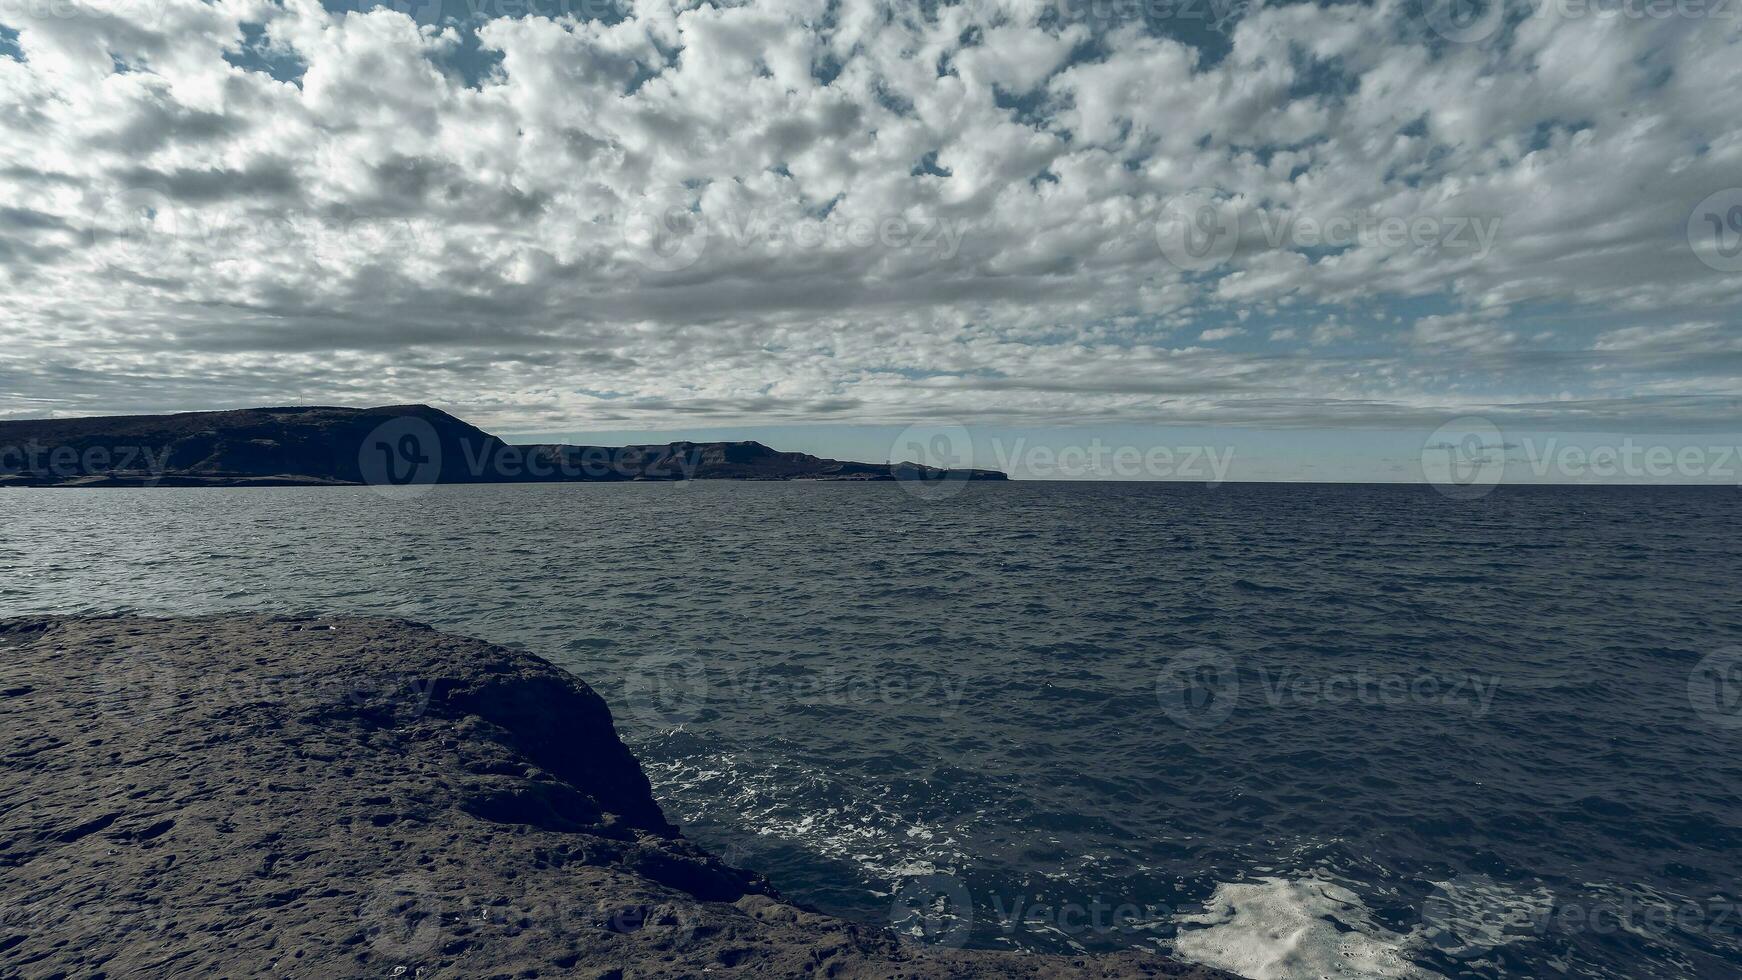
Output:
x,y
394,445
257,445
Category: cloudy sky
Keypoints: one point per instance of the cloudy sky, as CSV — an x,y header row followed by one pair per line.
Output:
x,y
1314,233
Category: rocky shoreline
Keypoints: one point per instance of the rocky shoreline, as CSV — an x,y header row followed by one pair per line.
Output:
x,y
246,795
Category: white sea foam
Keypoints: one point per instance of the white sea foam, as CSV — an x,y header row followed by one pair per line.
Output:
x,y
1293,929
778,800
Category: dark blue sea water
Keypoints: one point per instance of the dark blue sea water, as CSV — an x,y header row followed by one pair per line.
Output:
x,y
1297,731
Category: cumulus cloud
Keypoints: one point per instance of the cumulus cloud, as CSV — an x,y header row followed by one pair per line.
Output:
x,y
865,211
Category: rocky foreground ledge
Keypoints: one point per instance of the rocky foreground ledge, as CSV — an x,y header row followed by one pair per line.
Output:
x,y
251,796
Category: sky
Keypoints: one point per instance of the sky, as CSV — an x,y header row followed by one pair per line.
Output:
x,y
1327,240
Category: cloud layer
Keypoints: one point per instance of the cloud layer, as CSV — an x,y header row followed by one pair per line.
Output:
x,y
859,212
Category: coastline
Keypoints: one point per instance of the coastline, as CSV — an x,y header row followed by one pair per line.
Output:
x,y
349,796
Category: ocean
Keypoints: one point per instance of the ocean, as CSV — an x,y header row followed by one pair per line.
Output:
x,y
1289,730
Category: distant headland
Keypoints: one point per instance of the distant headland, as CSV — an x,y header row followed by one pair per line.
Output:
x,y
400,445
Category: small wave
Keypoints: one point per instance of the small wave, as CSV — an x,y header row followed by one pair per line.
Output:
x,y
1247,585
1282,929
804,806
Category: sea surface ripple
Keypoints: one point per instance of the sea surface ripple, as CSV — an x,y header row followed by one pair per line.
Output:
x,y
1291,730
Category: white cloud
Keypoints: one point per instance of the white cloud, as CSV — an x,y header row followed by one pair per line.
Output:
x,y
856,212
1440,333
1329,333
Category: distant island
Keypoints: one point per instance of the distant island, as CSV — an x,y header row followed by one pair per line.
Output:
x,y
400,445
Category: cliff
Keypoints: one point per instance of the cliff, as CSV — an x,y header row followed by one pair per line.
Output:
x,y
396,445
322,797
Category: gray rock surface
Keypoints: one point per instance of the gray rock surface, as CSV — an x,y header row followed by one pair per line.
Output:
x,y
254,796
